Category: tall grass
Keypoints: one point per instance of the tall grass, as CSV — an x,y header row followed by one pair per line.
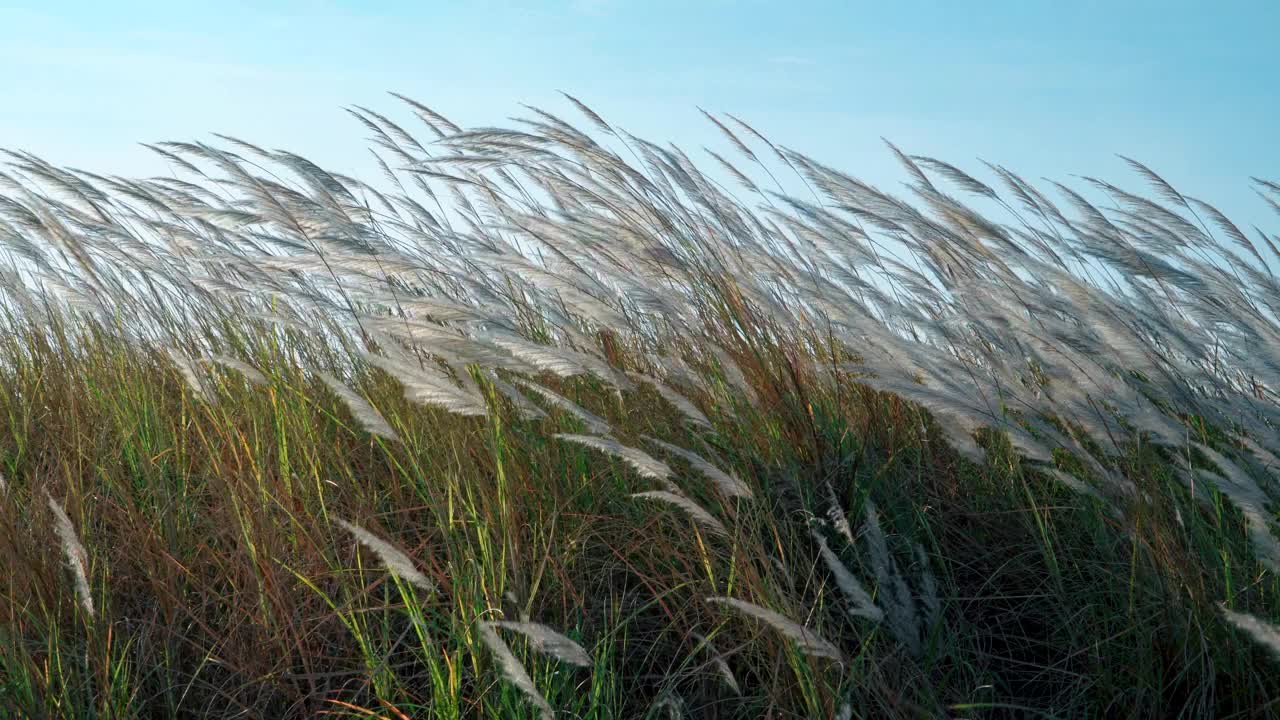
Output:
x,y
281,442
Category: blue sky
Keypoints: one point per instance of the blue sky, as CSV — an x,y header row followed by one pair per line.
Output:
x,y
1048,89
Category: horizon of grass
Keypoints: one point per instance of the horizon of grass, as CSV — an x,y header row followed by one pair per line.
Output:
x,y
552,423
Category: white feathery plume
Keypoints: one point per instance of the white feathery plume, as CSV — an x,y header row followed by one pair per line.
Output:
x,y
428,387
444,342
721,665
77,558
527,409
643,463
446,310
809,642
1245,494
1263,633
673,366
1073,482
190,374
594,423
695,511
727,483
673,704
249,372
512,670
562,361
928,585
676,400
559,361
395,560
549,642
734,374
895,596
836,515
860,602
361,410
459,366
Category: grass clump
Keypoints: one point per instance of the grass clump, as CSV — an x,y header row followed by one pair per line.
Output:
x,y
281,442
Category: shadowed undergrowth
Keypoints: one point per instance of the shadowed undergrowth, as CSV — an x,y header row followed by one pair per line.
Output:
x,y
552,423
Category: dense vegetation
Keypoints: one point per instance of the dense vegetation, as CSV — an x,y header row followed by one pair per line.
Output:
x,y
550,422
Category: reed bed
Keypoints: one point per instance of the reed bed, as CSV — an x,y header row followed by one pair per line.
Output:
x,y
554,421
